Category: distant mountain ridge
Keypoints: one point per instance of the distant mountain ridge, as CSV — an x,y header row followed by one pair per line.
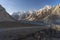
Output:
x,y
33,14
48,14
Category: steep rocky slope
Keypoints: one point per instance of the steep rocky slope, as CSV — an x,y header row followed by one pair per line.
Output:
x,y
4,16
54,16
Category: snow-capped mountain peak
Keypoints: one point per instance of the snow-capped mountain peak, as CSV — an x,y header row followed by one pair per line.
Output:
x,y
48,6
40,14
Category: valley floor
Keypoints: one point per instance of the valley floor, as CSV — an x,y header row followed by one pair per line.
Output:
x,y
29,33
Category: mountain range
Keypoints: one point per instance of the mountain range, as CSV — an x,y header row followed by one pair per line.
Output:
x,y
48,14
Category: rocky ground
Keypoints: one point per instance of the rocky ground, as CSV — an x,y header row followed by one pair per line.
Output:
x,y
45,34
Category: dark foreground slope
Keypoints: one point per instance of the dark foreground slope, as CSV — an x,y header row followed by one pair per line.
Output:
x,y
19,34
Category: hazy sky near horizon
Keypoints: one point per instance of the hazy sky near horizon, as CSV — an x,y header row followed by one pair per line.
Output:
x,y
24,5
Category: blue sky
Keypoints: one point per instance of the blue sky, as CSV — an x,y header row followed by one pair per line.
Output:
x,y
24,5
